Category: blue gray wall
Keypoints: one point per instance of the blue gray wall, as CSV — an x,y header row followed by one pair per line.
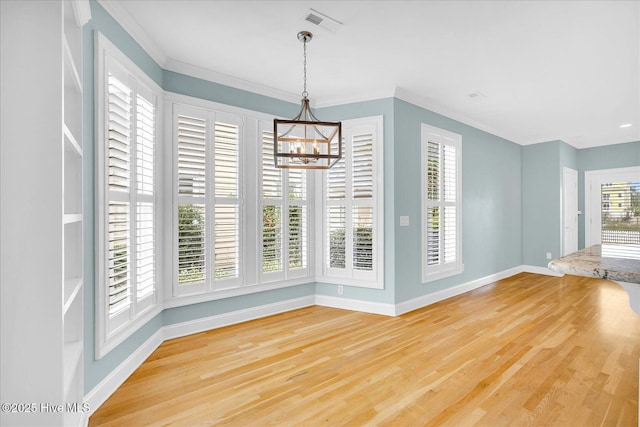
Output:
x,y
491,202
542,199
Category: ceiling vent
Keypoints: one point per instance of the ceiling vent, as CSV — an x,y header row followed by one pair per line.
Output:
x,y
322,21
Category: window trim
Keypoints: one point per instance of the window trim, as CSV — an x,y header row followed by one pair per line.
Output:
x,y
430,133
351,277
106,341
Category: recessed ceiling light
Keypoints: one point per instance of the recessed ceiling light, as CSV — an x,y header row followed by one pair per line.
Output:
x,y
477,94
626,125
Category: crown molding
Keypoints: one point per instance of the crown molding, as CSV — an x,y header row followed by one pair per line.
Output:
x,y
126,21
412,98
81,11
352,99
228,80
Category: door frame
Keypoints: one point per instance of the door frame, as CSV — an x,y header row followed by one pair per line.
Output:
x,y
569,202
593,181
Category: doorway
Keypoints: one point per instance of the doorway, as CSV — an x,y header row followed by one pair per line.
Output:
x,y
612,206
569,211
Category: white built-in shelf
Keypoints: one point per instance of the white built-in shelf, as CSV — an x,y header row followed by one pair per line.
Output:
x,y
72,287
71,143
72,353
71,218
72,76
76,14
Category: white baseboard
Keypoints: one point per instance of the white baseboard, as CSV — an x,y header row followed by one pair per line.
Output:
x,y
101,392
218,321
422,301
356,305
540,270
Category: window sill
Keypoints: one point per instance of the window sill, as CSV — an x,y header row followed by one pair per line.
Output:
x,y
428,278
189,299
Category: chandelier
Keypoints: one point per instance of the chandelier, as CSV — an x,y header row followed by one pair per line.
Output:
x,y
305,142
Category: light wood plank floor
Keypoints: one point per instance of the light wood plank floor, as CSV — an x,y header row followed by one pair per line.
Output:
x,y
529,350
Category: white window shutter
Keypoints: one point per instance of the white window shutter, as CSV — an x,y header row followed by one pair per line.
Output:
x,y
226,161
272,179
119,257
192,240
441,163
353,207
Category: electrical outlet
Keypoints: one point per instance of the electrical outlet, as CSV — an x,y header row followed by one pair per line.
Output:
x,y
548,255
340,289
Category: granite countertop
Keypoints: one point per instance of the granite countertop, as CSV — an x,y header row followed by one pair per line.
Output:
x,y
620,263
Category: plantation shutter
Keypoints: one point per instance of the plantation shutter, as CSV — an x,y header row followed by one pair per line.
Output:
x,y
130,143
351,207
191,199
126,211
441,199
226,211
297,219
441,203
145,203
271,208
433,173
119,123
363,190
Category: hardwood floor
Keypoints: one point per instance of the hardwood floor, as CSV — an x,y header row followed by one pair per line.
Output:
x,y
529,350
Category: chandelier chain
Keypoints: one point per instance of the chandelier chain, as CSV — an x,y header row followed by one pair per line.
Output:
x,y
304,48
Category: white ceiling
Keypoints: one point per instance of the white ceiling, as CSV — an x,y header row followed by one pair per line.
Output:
x,y
548,70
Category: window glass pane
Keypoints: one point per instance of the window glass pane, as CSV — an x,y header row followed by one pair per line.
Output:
x,y
191,156
449,245
271,238
337,239
226,241
433,235
297,236
620,212
362,149
297,184
271,176
226,160
336,181
433,171
145,252
119,134
145,139
119,264
449,173
363,238
191,243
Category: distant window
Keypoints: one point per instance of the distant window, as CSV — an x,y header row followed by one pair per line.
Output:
x,y
441,203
